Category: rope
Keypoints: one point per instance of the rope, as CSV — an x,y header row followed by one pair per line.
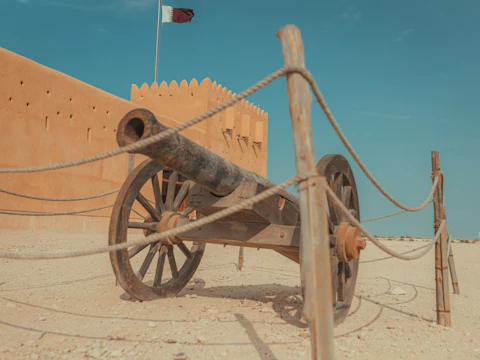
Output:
x,y
386,216
373,239
57,199
389,257
449,240
159,236
25,213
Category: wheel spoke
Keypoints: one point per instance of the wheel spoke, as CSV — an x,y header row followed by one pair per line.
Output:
x,y
146,205
173,263
187,211
331,225
348,271
341,282
135,250
338,185
346,198
331,209
146,226
337,188
157,192
160,265
185,250
147,261
181,194
334,270
172,184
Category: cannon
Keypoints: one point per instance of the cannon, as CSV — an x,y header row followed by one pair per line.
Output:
x,y
181,181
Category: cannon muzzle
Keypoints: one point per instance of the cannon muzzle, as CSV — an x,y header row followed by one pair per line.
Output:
x,y
204,167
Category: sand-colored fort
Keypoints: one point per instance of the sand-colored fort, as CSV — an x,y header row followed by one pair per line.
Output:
x,y
48,117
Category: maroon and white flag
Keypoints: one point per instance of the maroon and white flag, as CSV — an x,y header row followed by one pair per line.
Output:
x,y
177,15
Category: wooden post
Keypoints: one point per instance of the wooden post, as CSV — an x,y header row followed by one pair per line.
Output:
x,y
453,272
451,262
441,248
240,258
314,242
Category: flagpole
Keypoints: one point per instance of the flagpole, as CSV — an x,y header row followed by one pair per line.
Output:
x,y
158,37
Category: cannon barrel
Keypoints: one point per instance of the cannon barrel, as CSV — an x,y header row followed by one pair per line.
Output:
x,y
204,167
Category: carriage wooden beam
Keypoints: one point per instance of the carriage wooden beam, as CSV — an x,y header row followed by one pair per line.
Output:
x,y
270,224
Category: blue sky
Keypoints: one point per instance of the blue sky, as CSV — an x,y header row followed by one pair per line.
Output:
x,y
401,77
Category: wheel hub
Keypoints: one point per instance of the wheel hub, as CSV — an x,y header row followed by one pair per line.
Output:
x,y
349,243
169,221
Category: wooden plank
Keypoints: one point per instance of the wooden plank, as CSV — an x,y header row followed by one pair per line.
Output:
x,y
276,209
453,272
292,255
245,234
273,210
451,262
445,279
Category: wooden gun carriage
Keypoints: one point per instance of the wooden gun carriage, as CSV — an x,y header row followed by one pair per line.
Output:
x,y
182,178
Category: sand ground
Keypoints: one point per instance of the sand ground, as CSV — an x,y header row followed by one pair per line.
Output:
x,y
71,309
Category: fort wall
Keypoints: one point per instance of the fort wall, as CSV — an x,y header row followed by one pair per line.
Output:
x,y
48,117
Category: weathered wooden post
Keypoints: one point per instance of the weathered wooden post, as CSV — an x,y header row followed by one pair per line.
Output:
x,y
441,248
453,272
451,262
314,243
240,258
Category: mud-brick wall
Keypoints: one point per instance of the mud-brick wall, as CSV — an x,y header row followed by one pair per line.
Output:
x,y
48,117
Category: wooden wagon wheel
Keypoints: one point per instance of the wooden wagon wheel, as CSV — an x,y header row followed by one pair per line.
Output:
x,y
150,179
344,253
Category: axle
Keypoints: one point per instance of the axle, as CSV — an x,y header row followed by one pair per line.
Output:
x,y
214,173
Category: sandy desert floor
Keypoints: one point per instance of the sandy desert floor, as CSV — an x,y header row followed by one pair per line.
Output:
x,y
71,309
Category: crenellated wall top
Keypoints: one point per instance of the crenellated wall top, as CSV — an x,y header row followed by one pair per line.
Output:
x,y
194,89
